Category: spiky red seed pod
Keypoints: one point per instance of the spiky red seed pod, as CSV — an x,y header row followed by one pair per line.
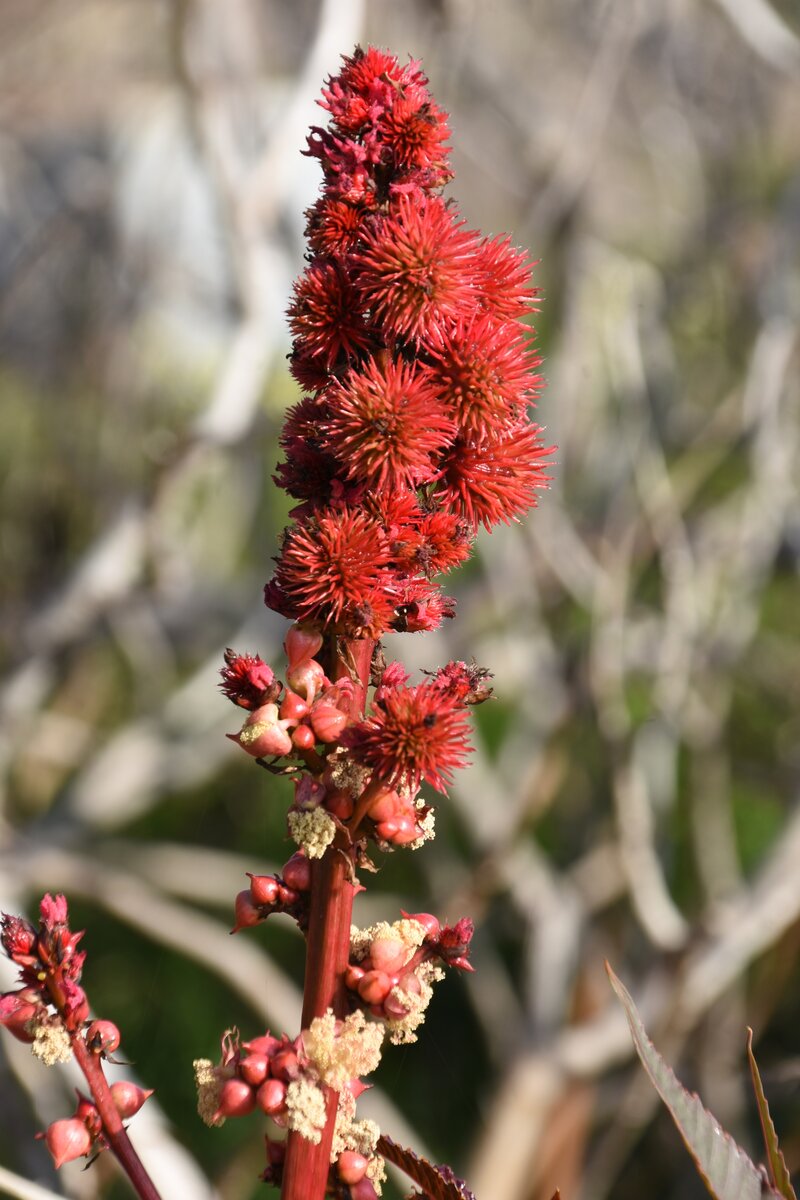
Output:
x,y
271,1097
102,1037
67,1140
351,1166
264,889
417,733
496,480
128,1098
297,872
236,1099
254,1069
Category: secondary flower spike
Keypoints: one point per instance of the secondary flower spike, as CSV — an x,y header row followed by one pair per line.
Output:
x,y
411,344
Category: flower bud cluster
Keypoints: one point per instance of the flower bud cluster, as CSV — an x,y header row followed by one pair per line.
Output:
x,y
393,967
268,894
50,1007
286,1080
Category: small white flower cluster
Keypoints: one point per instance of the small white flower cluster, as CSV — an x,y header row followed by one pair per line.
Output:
x,y
346,775
402,1030
361,1136
313,831
338,1057
412,933
51,1042
208,1087
305,1105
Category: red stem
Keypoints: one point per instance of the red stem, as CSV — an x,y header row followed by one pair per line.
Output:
x,y
305,1171
114,1130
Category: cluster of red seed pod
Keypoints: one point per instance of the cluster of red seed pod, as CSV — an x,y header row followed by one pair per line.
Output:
x,y
257,1075
82,1134
270,894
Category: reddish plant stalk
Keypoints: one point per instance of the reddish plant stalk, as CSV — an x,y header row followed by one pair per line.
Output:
x,y
113,1128
305,1171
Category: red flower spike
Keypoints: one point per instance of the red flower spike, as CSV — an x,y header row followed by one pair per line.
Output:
x,y
417,733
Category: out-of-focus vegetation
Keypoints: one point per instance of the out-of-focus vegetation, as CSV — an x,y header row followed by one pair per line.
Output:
x,y
634,792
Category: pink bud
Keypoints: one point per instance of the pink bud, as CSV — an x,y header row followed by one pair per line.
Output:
x,y
102,1037
236,1099
297,872
67,1140
430,922
328,722
363,1190
15,1013
388,954
307,678
293,707
353,976
266,1044
303,738
254,1069
398,830
374,987
271,1097
264,889
285,1065
351,1166
128,1098
245,912
385,806
262,734
302,641
309,792
340,804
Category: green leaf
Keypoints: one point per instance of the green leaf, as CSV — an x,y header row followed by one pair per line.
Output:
x,y
726,1170
775,1160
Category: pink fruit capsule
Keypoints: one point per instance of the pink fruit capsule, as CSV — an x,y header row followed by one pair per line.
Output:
x,y
328,722
385,806
102,1037
254,1069
351,1166
285,1065
293,707
353,976
128,1098
307,678
302,641
297,873
245,912
340,804
262,734
271,1096
431,923
363,1190
303,738
266,1044
264,889
374,987
236,1099
67,1140
388,954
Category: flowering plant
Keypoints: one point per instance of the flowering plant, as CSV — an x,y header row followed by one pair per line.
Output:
x,y
411,346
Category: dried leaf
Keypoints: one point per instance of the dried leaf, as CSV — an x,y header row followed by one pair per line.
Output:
x,y
728,1173
437,1182
777,1166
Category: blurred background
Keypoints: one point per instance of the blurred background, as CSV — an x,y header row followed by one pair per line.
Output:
x,y
635,785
